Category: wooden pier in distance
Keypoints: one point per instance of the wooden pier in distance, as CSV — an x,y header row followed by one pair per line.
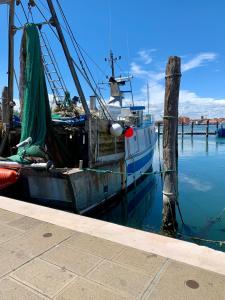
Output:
x,y
192,129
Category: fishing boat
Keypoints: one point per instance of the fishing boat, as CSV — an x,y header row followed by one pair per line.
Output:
x,y
76,156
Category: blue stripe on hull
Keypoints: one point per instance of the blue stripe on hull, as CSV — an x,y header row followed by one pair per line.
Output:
x,y
139,164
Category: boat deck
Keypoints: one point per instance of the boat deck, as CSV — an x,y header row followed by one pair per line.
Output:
x,y
50,254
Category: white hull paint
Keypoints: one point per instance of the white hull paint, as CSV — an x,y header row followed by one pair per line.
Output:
x,y
139,152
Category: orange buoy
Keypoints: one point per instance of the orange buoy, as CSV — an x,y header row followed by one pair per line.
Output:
x,y
7,178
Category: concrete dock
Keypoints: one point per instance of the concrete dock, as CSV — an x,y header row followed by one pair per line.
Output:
x,y
50,254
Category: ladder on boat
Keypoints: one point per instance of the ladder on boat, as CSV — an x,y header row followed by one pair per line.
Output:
x,y
52,71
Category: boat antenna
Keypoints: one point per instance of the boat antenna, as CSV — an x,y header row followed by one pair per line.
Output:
x,y
68,57
112,61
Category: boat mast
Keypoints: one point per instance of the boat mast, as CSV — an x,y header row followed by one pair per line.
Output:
x,y
68,57
7,95
111,59
11,62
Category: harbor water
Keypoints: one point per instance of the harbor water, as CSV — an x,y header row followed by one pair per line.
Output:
x,y
201,194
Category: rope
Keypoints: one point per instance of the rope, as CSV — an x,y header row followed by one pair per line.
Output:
x,y
196,238
169,117
106,171
173,75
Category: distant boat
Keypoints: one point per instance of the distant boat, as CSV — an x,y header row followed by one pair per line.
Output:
x,y
220,133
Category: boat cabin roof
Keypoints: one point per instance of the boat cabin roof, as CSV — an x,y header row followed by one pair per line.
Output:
x,y
135,108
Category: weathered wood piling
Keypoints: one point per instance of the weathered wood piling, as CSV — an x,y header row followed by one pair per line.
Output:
x,y
170,188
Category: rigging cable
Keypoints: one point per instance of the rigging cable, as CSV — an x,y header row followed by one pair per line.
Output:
x,y
85,77
75,44
91,59
24,12
47,21
18,20
80,57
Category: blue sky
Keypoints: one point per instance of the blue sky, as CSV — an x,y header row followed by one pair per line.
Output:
x,y
145,33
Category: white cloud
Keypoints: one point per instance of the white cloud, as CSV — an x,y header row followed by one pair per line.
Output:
x,y
190,103
198,61
145,56
198,185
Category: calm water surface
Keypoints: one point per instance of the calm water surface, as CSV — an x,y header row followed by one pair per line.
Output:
x,y
201,193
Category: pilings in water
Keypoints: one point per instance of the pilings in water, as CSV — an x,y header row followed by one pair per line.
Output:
x,y
207,129
192,128
182,129
159,129
170,186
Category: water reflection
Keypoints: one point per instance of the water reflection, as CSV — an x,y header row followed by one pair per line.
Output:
x,y
132,208
207,145
201,193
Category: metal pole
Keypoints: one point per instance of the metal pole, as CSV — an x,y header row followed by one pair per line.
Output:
x,y
68,57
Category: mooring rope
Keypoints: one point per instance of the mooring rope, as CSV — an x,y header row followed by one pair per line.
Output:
x,y
107,171
196,238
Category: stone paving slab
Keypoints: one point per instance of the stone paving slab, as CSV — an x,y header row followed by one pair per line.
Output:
x,y
39,239
84,289
93,245
25,223
73,260
8,216
12,290
147,263
120,278
7,233
46,278
46,261
180,281
11,259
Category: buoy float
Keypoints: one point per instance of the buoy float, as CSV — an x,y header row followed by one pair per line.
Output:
x,y
116,130
7,178
129,132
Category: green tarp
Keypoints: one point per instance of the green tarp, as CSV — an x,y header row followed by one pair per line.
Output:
x,y
35,103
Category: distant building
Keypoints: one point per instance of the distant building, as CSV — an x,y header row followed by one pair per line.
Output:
x,y
184,120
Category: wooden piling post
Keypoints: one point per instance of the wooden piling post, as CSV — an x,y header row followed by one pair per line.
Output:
x,y
217,126
182,129
207,128
173,74
192,128
158,129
